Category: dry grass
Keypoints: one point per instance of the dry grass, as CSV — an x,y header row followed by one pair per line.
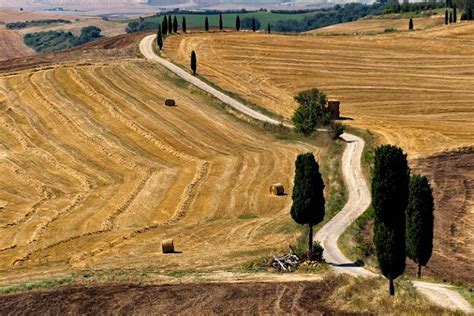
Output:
x,y
12,46
378,25
412,88
370,295
96,172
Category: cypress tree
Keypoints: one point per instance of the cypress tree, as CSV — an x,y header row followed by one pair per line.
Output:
x,y
469,15
254,26
419,221
175,24
183,24
165,25
455,13
410,25
390,197
450,17
206,24
221,23
446,17
193,62
308,195
269,29
159,38
170,24
237,23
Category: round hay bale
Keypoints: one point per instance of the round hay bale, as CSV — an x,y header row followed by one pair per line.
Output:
x,y
170,102
167,246
277,189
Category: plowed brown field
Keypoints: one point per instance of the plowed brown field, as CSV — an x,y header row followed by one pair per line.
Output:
x,y
96,172
413,88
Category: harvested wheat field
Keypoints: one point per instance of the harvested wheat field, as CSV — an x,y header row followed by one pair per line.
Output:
x,y
378,25
96,172
12,46
411,88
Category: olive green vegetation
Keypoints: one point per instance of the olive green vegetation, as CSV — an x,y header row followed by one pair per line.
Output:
x,y
52,41
389,200
311,112
419,221
308,206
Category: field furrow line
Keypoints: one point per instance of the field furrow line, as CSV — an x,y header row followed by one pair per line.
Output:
x,y
39,186
134,126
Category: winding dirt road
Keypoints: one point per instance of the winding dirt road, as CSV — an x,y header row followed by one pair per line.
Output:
x,y
359,195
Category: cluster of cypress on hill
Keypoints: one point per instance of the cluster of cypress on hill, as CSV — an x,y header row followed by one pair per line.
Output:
x,y
403,214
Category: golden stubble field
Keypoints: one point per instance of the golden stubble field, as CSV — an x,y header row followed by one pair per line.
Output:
x,y
412,88
96,172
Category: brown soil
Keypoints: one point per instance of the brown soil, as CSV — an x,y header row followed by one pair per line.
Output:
x,y
302,298
452,179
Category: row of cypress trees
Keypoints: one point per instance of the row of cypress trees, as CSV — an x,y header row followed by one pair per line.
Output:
x,y
403,214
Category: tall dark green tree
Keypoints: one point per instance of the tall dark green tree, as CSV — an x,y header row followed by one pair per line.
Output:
x,y
455,13
389,200
469,14
269,29
237,23
221,23
206,24
193,62
446,17
183,24
308,195
175,24
159,38
419,221
410,24
164,25
450,17
254,25
170,24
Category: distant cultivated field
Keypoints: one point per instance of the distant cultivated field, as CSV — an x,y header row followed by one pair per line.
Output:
x,y
229,18
96,172
378,25
12,46
413,88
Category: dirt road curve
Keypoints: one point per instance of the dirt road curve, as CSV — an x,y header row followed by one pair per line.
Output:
x,y
359,195
146,49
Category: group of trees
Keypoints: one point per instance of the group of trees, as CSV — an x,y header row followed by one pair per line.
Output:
x,y
403,214
339,14
170,26
25,24
53,41
452,10
313,113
